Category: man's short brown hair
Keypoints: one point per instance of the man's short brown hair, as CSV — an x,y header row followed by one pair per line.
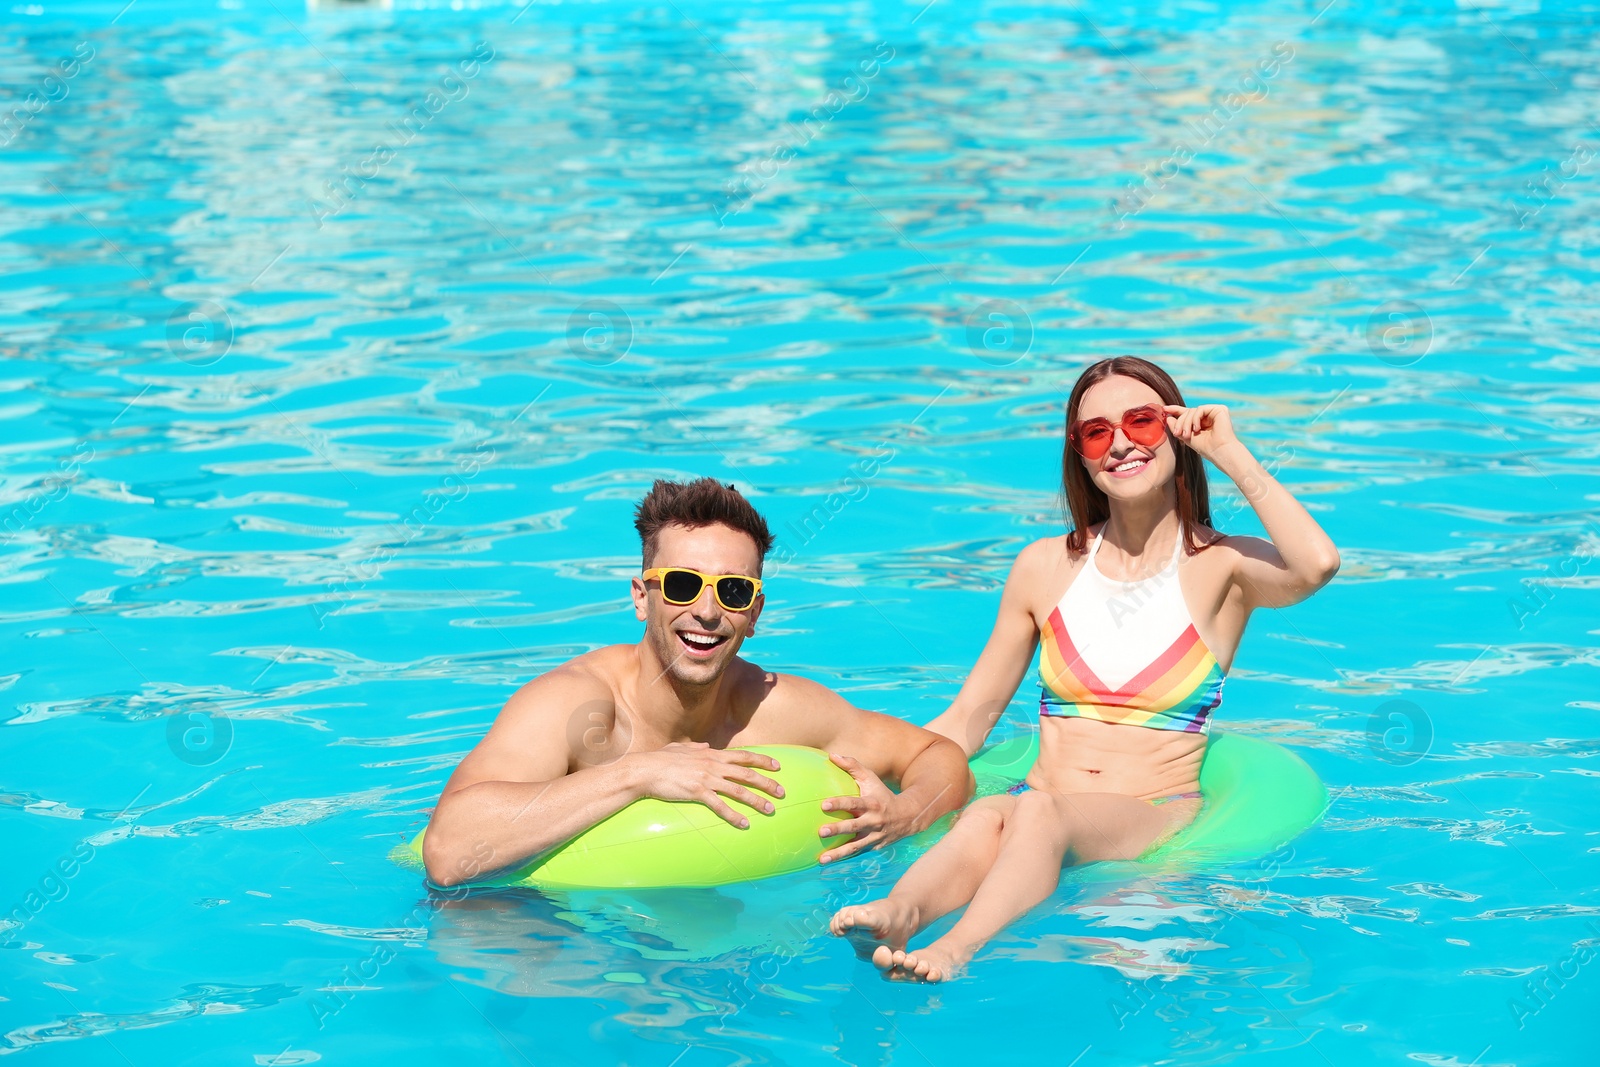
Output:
x,y
702,502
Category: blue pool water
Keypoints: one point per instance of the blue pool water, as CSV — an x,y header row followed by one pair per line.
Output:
x,y
326,401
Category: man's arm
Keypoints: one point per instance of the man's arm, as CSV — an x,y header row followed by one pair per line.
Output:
x,y
930,770
512,798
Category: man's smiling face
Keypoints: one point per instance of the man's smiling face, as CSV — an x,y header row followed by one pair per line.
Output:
x,y
696,642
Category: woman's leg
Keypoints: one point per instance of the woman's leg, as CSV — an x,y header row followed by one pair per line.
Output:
x,y
939,882
1045,831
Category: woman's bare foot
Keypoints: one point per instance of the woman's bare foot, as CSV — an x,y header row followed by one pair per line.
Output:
x,y
938,962
877,924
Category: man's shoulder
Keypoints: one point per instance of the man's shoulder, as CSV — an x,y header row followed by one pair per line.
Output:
x,y
591,676
753,681
774,695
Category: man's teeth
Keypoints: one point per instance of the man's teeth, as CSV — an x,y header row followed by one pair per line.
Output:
x,y
701,640
1129,465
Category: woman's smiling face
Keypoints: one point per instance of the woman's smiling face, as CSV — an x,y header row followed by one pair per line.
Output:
x,y
1128,470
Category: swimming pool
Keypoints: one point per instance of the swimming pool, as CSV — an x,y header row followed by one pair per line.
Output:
x,y
337,346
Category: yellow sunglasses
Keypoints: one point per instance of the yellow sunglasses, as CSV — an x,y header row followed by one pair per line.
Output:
x,y
680,585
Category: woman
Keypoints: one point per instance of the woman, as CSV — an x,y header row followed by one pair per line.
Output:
x,y
1140,608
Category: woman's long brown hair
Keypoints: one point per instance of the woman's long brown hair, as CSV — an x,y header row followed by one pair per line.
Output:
x,y
1086,504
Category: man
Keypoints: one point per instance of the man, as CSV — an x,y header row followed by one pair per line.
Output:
x,y
666,717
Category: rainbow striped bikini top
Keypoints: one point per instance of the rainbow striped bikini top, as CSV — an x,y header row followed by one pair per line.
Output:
x,y
1094,658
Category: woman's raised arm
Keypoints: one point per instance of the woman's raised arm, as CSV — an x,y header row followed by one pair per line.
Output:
x,y
1301,557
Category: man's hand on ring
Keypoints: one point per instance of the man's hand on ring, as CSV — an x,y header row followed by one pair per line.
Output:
x,y
875,816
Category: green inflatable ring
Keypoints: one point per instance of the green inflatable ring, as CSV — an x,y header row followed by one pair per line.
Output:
x,y
1258,797
665,843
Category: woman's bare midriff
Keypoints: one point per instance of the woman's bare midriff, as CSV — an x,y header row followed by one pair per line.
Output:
x,y
1078,755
